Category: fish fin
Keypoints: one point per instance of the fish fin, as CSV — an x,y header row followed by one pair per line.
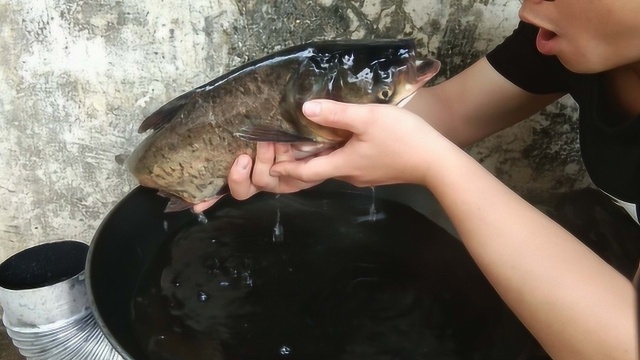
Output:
x,y
122,158
165,194
268,134
175,203
165,114
223,190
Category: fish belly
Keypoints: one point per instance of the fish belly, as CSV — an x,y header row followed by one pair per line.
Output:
x,y
191,156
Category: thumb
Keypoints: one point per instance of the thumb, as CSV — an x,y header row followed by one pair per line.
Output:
x,y
310,170
350,117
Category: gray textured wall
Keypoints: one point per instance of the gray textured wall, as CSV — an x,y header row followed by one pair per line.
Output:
x,y
77,77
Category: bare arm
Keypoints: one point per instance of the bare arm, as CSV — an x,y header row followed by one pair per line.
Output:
x,y
470,106
476,103
573,302
576,305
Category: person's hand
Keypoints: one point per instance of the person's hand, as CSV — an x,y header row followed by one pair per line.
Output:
x,y
246,179
389,145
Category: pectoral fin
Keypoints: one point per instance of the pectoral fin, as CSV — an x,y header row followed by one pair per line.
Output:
x,y
223,190
175,203
267,134
165,114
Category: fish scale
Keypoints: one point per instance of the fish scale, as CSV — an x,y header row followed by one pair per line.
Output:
x,y
198,135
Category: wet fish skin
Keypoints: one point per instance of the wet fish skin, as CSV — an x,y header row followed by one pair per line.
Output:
x,y
197,136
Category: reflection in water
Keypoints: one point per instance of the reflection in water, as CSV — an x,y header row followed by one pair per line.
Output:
x,y
399,287
285,350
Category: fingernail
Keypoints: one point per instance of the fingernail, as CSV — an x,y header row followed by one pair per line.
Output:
x,y
242,163
311,108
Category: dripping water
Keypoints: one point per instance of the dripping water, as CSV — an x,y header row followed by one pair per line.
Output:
x,y
201,218
372,208
278,234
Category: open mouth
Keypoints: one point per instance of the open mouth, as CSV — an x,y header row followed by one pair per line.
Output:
x,y
404,101
426,69
544,41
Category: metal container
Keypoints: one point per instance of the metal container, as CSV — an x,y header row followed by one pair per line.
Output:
x,y
47,312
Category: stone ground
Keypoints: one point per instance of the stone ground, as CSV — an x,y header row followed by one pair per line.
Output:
x,y
8,351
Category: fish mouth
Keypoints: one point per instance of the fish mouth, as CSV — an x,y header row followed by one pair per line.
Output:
x,y
406,100
425,69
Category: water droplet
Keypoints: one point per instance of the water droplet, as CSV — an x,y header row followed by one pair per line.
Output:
x,y
157,339
211,263
155,342
278,233
202,219
224,283
372,208
165,224
202,296
285,350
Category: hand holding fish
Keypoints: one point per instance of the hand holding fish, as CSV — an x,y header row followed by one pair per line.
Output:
x,y
372,156
247,178
389,145
196,137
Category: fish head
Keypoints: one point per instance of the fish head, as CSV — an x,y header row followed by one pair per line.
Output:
x,y
359,72
383,72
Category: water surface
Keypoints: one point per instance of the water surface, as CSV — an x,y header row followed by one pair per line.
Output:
x,y
335,283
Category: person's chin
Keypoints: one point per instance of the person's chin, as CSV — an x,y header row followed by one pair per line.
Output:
x,y
579,64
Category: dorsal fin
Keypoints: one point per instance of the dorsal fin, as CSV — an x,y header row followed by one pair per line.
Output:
x,y
165,114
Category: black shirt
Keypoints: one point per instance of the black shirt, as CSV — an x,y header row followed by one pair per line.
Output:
x,y
611,153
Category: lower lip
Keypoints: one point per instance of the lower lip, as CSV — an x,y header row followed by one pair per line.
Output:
x,y
545,41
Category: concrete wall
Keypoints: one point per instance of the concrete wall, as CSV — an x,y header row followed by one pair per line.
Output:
x,y
77,77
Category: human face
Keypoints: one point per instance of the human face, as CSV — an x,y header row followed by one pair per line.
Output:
x,y
588,36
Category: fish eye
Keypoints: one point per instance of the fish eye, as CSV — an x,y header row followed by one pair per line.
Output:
x,y
385,93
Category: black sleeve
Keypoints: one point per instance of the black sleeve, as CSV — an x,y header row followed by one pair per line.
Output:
x,y
519,61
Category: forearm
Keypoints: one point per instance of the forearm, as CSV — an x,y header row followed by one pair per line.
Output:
x,y
576,305
465,110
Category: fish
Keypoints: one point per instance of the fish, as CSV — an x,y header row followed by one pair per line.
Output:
x,y
196,137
